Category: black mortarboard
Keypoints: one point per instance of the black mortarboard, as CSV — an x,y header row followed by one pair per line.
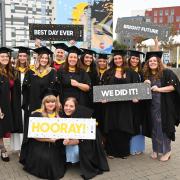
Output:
x,y
153,54
88,51
119,52
74,49
23,49
49,91
103,56
43,50
5,50
135,53
61,46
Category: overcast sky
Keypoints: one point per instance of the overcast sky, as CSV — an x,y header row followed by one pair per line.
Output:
x,y
123,8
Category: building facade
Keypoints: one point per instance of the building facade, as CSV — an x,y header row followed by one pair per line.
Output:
x,y
165,15
19,14
2,24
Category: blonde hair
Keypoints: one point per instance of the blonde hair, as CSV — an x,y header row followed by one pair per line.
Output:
x,y
50,98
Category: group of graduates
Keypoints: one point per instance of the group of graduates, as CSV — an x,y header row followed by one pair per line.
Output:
x,y
64,88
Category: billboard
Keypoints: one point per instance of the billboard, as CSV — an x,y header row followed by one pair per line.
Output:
x,y
95,15
131,28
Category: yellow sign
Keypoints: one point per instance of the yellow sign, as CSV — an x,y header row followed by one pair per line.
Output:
x,y
62,128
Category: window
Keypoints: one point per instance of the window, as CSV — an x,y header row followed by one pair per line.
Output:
x,y
155,13
177,18
43,20
155,20
172,11
161,13
167,12
12,7
160,20
43,10
170,19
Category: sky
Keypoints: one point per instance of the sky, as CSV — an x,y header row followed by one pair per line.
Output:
x,y
123,8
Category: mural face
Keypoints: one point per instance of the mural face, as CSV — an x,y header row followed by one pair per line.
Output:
x,y
97,18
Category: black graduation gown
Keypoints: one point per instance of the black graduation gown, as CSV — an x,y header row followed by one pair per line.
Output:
x,y
91,153
33,89
100,108
170,107
119,117
66,90
43,159
11,107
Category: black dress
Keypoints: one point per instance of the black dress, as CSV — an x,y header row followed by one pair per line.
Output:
x,y
10,105
33,89
118,122
43,159
66,90
91,153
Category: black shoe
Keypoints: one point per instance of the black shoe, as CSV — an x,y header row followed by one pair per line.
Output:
x,y
4,156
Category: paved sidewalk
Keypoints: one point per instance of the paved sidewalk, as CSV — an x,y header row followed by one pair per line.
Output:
x,y
140,167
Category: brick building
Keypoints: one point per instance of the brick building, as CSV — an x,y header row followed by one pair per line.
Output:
x,y
165,15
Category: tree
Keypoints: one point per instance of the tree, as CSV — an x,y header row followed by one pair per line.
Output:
x,y
118,45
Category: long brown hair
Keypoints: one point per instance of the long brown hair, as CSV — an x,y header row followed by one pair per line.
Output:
x,y
66,65
8,70
50,98
138,66
37,64
26,64
148,73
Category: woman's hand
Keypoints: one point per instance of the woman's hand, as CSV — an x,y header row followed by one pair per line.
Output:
x,y
66,142
1,114
147,81
135,100
74,83
155,88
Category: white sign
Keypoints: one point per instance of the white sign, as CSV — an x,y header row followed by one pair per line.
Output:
x,y
62,128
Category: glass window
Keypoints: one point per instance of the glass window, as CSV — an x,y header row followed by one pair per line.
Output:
x,y
161,12
155,13
160,20
177,18
43,10
167,12
43,20
172,11
155,20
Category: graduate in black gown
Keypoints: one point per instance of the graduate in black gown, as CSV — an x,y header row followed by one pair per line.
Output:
x,y
37,79
21,67
163,111
91,154
137,144
102,66
45,157
88,64
10,107
59,55
72,80
118,122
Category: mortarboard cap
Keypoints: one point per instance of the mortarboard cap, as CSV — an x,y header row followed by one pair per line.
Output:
x,y
119,52
23,49
5,50
74,49
135,53
43,50
61,46
88,51
153,54
49,91
103,56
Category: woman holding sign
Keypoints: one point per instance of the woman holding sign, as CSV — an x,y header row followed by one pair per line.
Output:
x,y
45,157
163,110
137,143
90,153
72,80
118,122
